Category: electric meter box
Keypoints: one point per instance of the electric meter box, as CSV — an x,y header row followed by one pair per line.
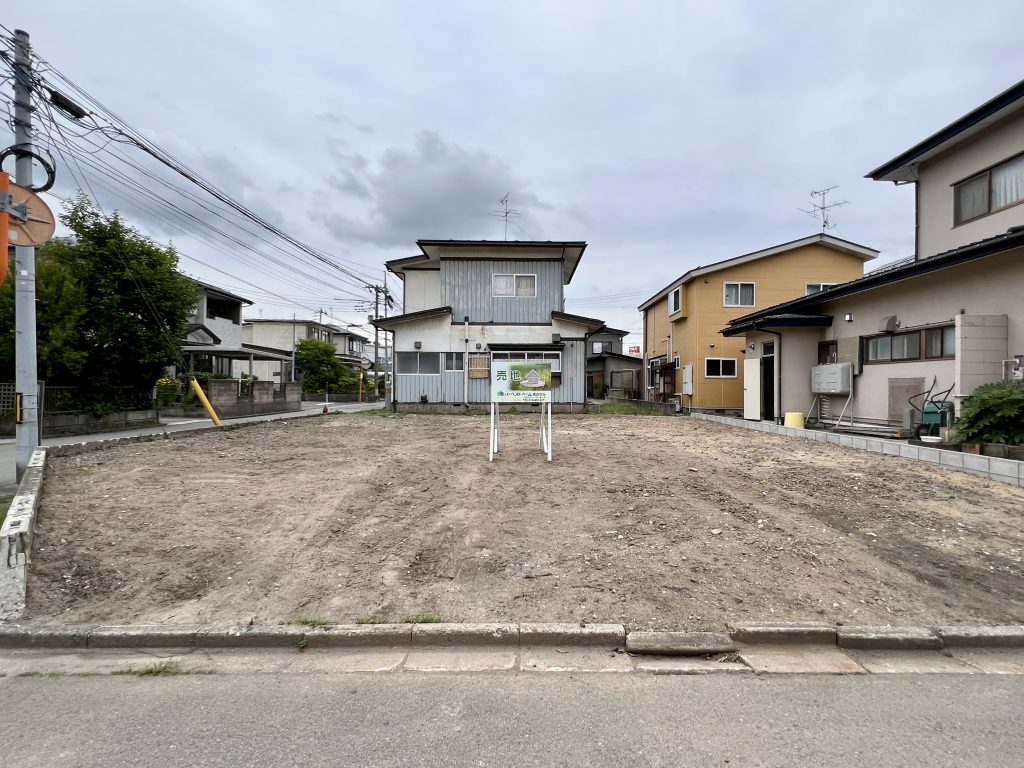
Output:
x,y
832,379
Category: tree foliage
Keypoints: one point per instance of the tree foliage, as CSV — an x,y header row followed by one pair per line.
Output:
x,y
993,413
320,369
111,308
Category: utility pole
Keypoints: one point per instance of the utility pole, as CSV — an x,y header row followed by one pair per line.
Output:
x,y
376,342
389,370
26,376
293,347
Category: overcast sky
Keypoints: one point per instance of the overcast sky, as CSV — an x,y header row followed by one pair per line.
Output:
x,y
665,134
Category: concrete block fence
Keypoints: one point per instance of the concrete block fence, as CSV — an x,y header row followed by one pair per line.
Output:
x,y
16,538
990,467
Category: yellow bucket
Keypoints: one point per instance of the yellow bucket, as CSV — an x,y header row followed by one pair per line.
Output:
x,y
795,419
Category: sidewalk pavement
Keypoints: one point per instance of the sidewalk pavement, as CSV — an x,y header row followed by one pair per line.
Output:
x,y
7,463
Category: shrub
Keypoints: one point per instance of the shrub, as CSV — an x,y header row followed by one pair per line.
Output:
x,y
993,413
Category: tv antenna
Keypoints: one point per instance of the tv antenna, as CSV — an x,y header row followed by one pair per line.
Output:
x,y
821,209
506,213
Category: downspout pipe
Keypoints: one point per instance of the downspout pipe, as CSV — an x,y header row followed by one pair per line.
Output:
x,y
779,416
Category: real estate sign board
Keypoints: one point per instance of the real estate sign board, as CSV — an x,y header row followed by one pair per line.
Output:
x,y
520,381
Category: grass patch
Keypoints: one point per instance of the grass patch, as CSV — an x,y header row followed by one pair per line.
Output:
x,y
5,506
59,674
371,618
165,667
623,409
423,618
313,622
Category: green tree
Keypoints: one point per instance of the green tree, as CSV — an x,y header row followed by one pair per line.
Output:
x,y
60,306
317,365
111,310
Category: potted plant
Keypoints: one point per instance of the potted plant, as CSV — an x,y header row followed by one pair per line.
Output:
x,y
993,414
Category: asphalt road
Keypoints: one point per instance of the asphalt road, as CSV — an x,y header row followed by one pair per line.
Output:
x,y
311,720
7,467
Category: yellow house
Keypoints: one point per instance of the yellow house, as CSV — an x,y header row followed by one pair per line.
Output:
x,y
688,361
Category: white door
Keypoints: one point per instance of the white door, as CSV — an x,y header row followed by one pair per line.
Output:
x,y
752,389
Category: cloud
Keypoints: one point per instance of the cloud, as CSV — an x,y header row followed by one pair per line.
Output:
x,y
433,189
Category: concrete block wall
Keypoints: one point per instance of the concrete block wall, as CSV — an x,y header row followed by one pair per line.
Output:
x,y
1001,470
981,347
16,538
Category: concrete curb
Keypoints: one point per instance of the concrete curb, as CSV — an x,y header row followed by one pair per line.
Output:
x,y
784,633
507,635
679,643
16,538
888,638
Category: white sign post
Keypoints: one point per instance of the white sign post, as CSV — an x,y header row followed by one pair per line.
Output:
x,y
520,381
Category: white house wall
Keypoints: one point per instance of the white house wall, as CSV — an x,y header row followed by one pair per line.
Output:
x,y
422,290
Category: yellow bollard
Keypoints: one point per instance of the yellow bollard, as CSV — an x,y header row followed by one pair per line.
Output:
x,y
206,403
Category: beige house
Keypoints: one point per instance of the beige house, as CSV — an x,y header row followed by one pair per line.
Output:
x,y
951,318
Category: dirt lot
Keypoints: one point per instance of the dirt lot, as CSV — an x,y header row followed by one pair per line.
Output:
x,y
660,522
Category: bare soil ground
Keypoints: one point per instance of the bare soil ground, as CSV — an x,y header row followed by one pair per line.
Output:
x,y
657,522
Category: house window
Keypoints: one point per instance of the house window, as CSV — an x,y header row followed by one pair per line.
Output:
x,y
894,348
453,361
720,367
998,187
519,286
555,358
417,362
675,300
819,287
601,346
940,342
739,295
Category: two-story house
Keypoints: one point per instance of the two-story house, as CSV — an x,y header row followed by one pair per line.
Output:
x,y
950,318
610,373
351,345
277,338
214,341
468,302
687,360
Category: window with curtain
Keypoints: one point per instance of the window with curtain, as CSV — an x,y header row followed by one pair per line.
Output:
x,y
990,190
526,286
739,294
940,342
511,285
503,285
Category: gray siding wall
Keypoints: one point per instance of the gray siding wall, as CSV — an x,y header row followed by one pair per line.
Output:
x,y
448,387
466,288
445,387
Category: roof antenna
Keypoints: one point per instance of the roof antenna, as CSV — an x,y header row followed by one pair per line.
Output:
x,y
505,212
821,209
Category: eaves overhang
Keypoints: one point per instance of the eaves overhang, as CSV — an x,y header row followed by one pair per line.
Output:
x,y
903,167
389,323
992,246
836,243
